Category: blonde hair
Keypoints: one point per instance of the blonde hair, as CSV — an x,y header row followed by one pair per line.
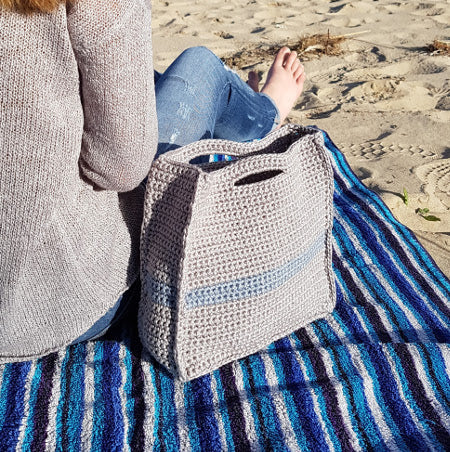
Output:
x,y
32,6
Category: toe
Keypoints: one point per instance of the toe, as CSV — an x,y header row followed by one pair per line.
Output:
x,y
295,66
253,81
282,54
298,70
292,58
301,79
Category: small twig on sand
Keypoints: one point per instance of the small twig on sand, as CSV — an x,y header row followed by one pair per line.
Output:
x,y
356,33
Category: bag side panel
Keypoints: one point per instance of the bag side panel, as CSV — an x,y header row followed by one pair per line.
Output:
x,y
182,346
167,212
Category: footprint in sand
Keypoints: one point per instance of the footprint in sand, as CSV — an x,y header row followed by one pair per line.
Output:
x,y
428,9
443,103
355,8
352,14
371,91
336,9
376,150
363,173
428,68
399,69
390,94
344,21
436,177
428,184
391,70
368,151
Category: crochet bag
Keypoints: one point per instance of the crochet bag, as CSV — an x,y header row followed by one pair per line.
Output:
x,y
235,254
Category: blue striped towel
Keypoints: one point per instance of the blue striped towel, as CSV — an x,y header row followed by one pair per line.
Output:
x,y
372,376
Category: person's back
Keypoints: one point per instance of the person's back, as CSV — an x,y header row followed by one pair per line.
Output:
x,y
77,126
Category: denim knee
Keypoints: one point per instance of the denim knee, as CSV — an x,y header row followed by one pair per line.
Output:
x,y
200,58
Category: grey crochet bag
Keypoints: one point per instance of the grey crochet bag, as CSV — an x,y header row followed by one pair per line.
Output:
x,y
235,254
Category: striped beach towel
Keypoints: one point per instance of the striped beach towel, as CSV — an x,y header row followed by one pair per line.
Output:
x,y
372,376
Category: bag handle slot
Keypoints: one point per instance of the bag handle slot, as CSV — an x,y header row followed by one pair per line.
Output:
x,y
258,177
205,159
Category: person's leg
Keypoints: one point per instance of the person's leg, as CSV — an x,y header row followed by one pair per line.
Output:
x,y
101,326
121,308
156,76
199,97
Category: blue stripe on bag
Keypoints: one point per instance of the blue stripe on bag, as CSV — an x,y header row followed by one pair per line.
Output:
x,y
238,289
161,293
254,285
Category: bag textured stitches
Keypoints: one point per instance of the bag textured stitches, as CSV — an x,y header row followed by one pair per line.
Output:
x,y
235,254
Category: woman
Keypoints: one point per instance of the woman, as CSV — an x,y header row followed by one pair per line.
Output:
x,y
78,133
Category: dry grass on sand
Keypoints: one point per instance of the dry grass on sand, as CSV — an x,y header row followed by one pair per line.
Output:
x,y
439,48
308,47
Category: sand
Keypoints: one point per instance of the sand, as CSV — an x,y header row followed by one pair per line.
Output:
x,y
385,101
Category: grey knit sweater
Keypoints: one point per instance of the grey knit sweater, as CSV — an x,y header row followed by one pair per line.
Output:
x,y
77,126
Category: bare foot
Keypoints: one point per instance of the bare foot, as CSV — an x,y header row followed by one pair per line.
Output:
x,y
285,81
253,81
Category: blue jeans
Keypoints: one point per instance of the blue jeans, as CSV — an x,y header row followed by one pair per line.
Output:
x,y
101,326
198,97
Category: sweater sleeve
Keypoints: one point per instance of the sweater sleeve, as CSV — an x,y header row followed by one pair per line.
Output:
x,y
112,44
